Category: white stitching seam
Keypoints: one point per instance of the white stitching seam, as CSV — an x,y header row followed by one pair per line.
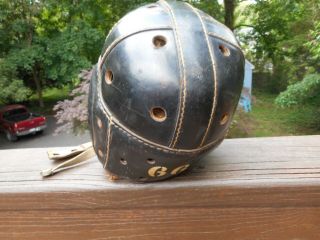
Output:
x,y
215,97
109,138
140,139
183,91
129,133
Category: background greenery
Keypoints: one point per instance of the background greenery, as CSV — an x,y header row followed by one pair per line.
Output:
x,y
45,44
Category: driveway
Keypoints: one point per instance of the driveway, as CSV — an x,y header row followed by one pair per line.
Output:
x,y
46,139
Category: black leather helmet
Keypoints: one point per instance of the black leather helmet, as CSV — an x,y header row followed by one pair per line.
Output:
x,y
164,91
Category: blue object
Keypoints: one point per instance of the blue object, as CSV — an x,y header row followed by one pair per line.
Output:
x,y
245,99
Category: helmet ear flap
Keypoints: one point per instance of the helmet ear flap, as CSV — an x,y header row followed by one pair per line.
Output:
x,y
164,91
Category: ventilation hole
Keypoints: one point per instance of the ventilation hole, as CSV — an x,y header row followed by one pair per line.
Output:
x,y
158,114
224,119
109,77
151,161
224,50
56,154
123,162
159,41
73,150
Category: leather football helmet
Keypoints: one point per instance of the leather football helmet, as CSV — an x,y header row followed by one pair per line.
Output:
x,y
164,91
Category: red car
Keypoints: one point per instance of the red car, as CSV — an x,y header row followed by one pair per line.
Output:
x,y
16,121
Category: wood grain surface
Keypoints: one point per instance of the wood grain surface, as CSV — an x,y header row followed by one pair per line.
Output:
x,y
258,188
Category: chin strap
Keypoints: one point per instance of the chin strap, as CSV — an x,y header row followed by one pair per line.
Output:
x,y
72,158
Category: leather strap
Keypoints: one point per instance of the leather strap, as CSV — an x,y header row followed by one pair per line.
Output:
x,y
66,154
73,158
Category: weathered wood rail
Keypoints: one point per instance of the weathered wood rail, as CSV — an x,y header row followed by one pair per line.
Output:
x,y
267,188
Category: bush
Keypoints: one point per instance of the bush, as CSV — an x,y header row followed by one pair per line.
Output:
x,y
72,115
300,92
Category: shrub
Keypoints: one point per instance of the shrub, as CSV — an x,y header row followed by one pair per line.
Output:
x,y
300,92
72,115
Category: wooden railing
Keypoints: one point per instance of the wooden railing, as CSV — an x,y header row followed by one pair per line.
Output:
x,y
258,188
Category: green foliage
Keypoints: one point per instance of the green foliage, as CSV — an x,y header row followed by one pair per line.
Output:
x,y
300,92
309,88
277,37
211,7
26,58
273,24
46,43
314,43
70,51
11,88
13,91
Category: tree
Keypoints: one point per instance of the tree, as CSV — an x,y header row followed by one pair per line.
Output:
x,y
72,114
229,6
279,32
211,7
12,90
46,44
314,44
306,91
20,49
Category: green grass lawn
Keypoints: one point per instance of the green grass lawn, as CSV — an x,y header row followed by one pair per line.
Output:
x,y
266,119
50,97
